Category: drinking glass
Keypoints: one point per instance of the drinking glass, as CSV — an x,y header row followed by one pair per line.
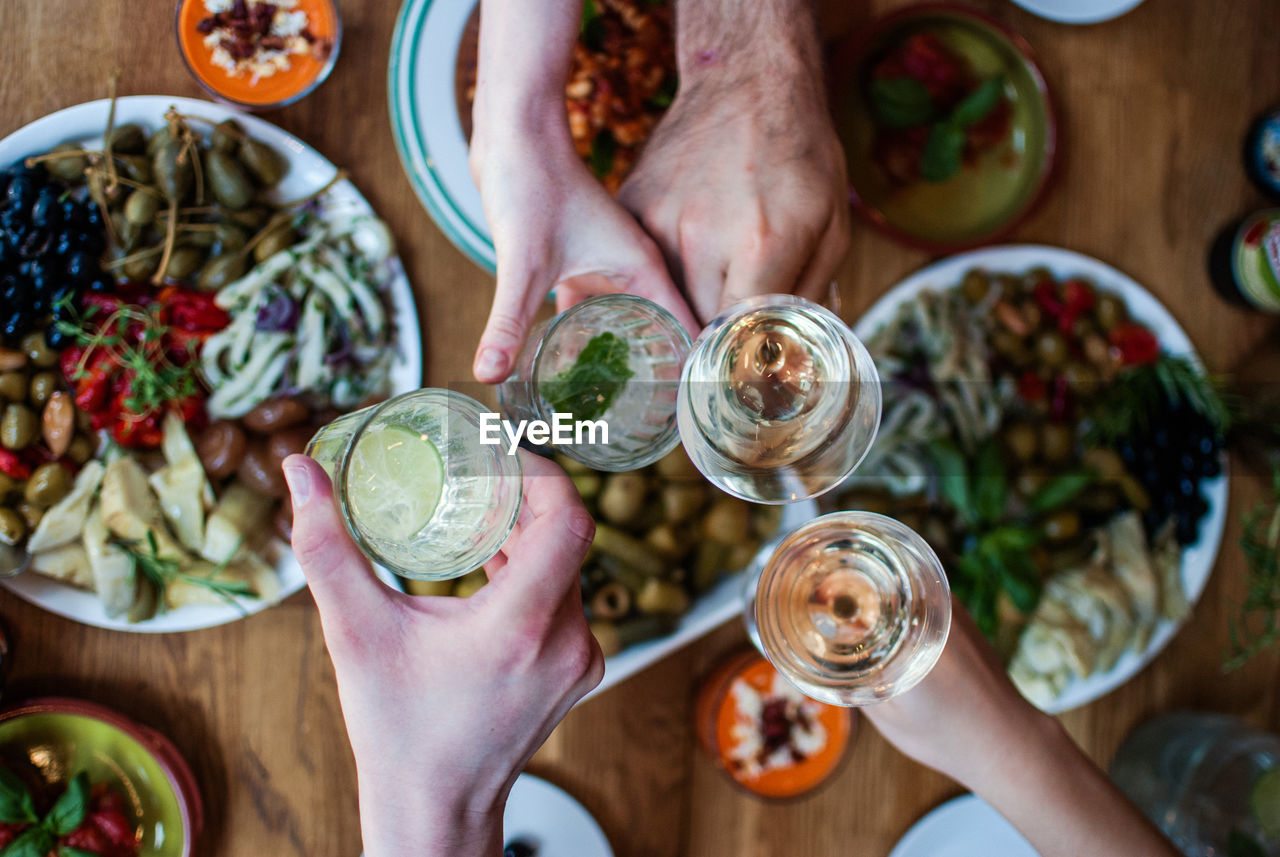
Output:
x,y
614,359
779,401
420,494
852,608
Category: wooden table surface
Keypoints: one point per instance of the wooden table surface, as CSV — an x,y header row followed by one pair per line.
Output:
x,y
1154,107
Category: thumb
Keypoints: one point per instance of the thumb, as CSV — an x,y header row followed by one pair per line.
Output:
x,y
515,300
341,579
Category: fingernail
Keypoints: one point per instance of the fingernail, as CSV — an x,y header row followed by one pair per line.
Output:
x,y
492,362
299,482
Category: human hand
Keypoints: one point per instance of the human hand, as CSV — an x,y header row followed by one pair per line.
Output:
x,y
445,699
555,226
743,182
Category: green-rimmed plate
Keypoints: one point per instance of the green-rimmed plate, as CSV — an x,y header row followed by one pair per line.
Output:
x,y
61,737
425,123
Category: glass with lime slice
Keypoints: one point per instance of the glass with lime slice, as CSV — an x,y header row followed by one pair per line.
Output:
x,y
421,495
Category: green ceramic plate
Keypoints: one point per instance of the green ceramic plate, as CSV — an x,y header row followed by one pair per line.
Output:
x,y
984,200
61,737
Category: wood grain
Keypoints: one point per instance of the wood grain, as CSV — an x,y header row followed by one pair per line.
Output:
x,y
1154,107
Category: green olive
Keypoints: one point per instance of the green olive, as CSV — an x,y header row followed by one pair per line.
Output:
x,y
173,170
229,236
136,167
13,385
1022,441
1057,440
19,427
141,266
69,168
1051,348
1105,462
1061,526
7,485
1109,311
1081,377
1030,311
230,186
141,207
158,139
277,238
1030,480
43,386
221,270
975,286
80,449
30,514
252,218
226,135
48,484
1035,277
128,139
37,350
12,528
262,162
183,262
1010,346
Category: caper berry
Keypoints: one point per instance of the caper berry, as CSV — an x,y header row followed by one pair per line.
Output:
x,y
279,237
230,186
226,135
141,207
69,168
141,266
253,217
19,427
229,236
173,171
127,139
48,484
183,262
221,270
262,162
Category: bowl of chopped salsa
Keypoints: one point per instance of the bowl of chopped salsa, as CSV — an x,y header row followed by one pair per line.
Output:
x,y
947,123
766,735
259,54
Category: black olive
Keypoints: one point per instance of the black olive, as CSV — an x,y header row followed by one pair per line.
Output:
x,y
70,209
46,211
64,241
56,339
1186,530
15,325
81,267
20,193
1187,486
1210,467
92,215
1152,520
1160,438
91,241
519,848
1127,452
98,284
63,304
35,243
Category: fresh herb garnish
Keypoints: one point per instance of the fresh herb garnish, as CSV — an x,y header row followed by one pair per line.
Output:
x,y
904,102
592,29
588,387
1257,628
604,148
1124,407
17,806
162,571
901,102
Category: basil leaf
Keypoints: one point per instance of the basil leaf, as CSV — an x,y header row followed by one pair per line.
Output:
x,y
991,486
603,149
977,104
69,811
1241,844
901,102
16,804
592,29
588,387
953,477
32,842
1060,490
940,159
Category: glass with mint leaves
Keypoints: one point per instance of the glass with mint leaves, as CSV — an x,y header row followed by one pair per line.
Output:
x,y
598,382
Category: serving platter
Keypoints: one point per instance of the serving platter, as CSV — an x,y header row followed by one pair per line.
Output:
x,y
1198,558
308,171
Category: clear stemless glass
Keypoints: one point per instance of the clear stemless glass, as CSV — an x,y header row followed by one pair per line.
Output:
x,y
614,359
420,494
853,608
779,401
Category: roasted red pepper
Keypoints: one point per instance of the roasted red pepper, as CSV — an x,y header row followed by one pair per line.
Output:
x,y
13,466
1134,343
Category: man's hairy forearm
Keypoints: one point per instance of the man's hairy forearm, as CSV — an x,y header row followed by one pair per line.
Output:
x,y
747,38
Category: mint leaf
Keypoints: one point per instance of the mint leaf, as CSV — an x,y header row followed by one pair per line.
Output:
x,y
901,102
953,478
977,104
991,485
588,387
603,149
940,159
1060,490
69,811
32,842
16,804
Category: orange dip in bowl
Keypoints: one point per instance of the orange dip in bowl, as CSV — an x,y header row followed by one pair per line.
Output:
x,y
279,51
767,736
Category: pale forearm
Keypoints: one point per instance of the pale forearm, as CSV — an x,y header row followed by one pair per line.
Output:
x,y
748,39
1060,801
420,821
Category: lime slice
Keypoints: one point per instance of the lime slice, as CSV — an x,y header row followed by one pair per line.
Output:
x,y
394,481
1265,801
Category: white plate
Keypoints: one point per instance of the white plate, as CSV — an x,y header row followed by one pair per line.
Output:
x,y
425,124
548,818
308,171
1078,11
964,827
1197,559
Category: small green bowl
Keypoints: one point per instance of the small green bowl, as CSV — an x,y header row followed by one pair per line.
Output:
x,y
983,202
61,737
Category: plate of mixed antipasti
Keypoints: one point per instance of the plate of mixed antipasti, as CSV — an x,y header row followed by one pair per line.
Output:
x,y
187,294
1049,428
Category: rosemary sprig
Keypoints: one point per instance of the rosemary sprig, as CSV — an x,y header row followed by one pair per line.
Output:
x,y
1257,628
1125,407
162,571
